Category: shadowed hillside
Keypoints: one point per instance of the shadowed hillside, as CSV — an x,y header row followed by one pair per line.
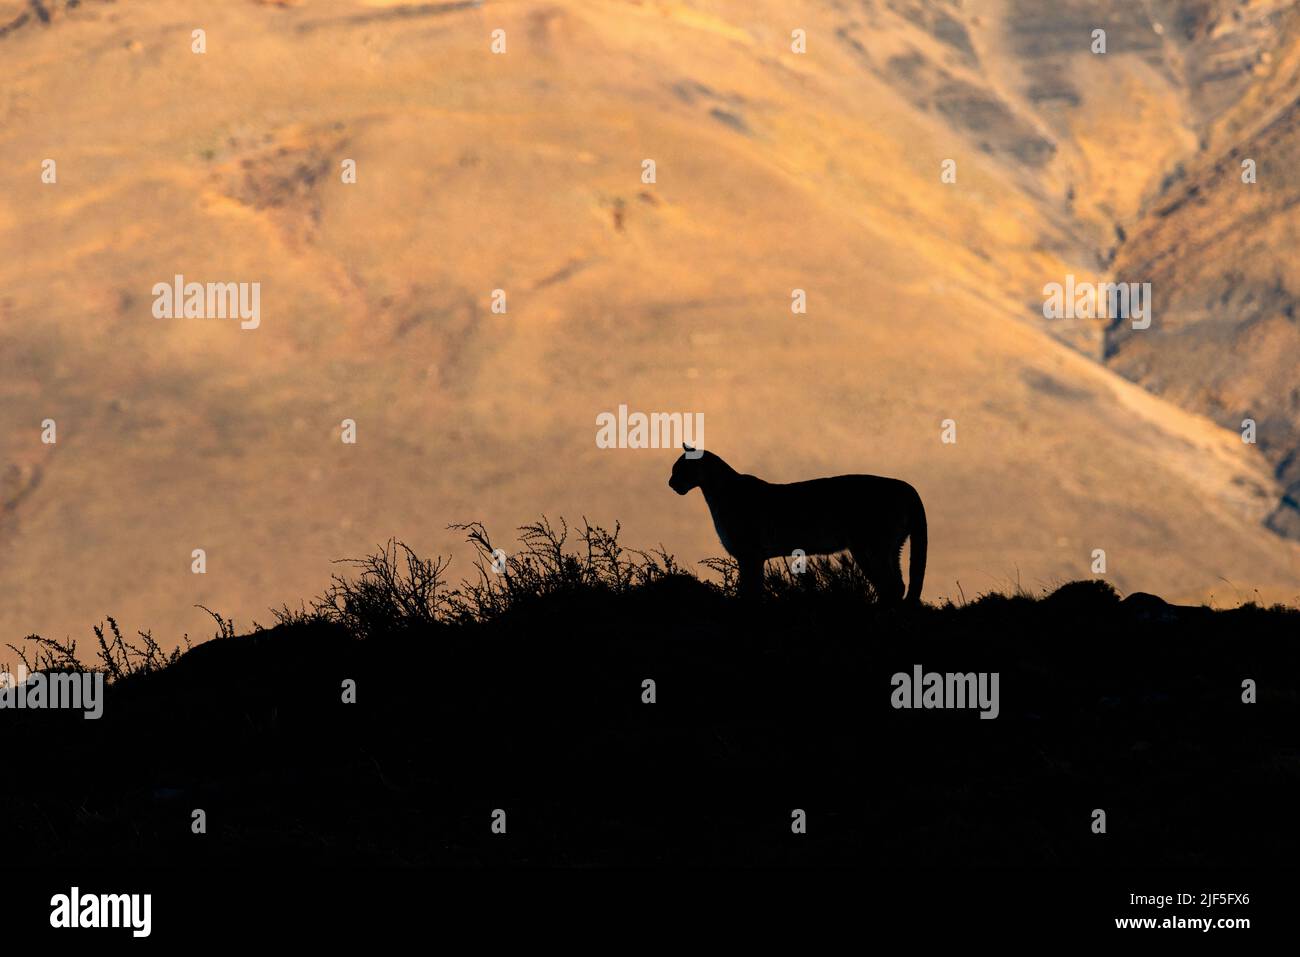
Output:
x,y
1217,240
523,691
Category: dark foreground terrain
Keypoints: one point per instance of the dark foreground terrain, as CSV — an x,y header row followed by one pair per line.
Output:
x,y
523,692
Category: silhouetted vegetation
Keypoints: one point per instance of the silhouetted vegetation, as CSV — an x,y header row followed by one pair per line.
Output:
x,y
116,658
521,688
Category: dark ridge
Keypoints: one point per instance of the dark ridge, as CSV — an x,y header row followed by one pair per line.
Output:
x,y
523,691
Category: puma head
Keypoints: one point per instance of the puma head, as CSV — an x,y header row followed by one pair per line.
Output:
x,y
688,471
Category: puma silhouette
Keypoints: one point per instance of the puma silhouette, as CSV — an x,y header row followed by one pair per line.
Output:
x,y
869,515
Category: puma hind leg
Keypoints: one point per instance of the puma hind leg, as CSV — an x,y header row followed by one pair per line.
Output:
x,y
884,570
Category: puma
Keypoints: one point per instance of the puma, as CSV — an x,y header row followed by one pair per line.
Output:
x,y
869,515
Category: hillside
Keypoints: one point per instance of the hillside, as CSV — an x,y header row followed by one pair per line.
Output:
x,y
529,694
522,172
1222,250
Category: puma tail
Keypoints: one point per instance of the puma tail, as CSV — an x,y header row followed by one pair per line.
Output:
x,y
916,564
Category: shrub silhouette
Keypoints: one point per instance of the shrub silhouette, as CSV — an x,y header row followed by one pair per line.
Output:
x,y
396,590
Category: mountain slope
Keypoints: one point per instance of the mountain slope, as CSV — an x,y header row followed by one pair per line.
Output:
x,y
522,172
